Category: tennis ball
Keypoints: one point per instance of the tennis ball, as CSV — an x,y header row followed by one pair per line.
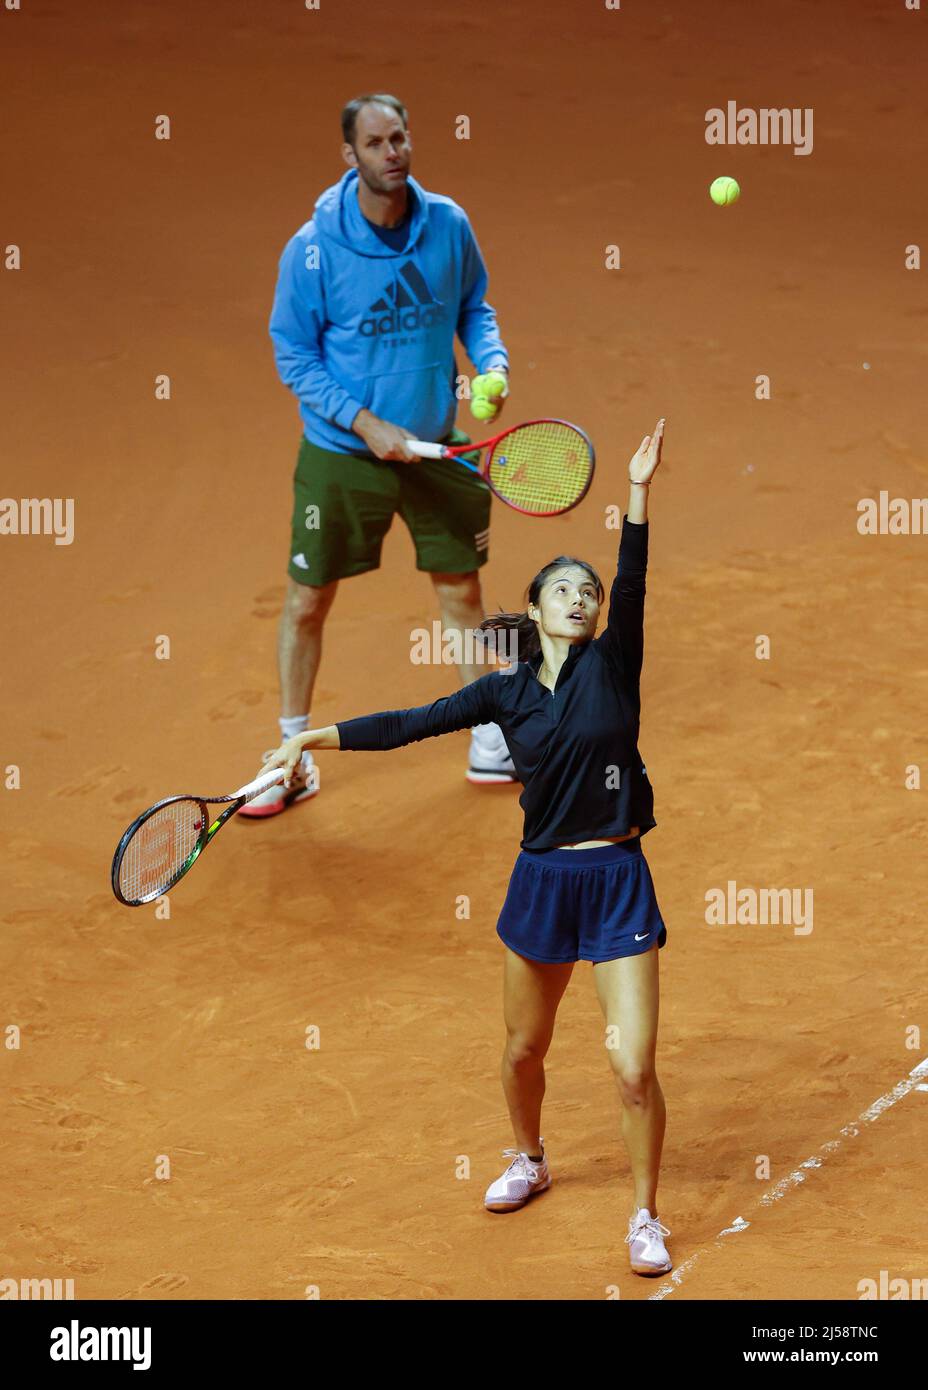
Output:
x,y
490,385
482,408
724,191
497,385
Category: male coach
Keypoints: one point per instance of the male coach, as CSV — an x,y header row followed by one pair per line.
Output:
x,y
370,293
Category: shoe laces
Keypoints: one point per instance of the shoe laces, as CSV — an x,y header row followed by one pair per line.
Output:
x,y
653,1227
521,1163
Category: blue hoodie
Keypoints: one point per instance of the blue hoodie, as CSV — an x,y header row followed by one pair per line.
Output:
x,y
356,324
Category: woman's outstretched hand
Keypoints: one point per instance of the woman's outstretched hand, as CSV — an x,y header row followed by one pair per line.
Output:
x,y
287,756
643,465
290,752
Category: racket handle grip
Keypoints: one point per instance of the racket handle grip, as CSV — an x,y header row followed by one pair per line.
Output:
x,y
426,451
261,784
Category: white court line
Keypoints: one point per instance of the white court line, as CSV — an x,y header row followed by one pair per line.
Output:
x,y
798,1175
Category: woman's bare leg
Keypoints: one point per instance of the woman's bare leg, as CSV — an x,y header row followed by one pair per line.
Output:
x,y
629,996
531,994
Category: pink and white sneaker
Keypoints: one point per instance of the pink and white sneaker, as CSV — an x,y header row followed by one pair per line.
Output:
x,y
522,1180
645,1241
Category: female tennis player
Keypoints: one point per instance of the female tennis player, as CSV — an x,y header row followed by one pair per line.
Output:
x,y
581,888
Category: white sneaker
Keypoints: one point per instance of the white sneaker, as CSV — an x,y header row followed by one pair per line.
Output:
x,y
303,784
645,1241
490,760
522,1180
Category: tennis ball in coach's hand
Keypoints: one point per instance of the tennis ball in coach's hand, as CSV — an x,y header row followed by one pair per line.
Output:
x,y
497,385
482,408
724,191
491,385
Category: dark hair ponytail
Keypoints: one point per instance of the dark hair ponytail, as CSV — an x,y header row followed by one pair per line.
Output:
x,y
526,641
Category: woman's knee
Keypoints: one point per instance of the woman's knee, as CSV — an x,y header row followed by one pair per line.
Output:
x,y
635,1078
524,1051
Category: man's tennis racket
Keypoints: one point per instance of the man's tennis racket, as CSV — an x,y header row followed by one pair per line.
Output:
x,y
167,839
541,468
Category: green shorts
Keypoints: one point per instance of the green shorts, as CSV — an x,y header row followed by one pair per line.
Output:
x,y
344,504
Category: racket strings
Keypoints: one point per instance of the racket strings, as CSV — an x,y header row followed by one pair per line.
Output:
x,y
542,468
159,849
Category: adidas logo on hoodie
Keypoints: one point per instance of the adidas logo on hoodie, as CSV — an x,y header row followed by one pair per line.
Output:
x,y
407,305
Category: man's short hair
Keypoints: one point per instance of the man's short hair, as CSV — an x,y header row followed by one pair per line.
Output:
x,y
350,112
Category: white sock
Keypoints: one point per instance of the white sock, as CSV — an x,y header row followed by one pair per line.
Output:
x,y
290,726
293,724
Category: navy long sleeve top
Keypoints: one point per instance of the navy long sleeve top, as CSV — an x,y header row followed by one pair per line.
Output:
x,y
575,748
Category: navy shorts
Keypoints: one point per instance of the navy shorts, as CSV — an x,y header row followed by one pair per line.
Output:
x,y
581,904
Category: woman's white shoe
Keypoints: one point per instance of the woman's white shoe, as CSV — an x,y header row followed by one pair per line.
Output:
x,y
523,1179
645,1241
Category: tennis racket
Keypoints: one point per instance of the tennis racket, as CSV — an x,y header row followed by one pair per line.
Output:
x,y
166,840
540,468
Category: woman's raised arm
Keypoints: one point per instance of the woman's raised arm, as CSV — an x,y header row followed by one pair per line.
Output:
x,y
640,472
623,640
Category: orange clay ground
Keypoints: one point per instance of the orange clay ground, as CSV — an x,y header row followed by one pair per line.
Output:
x,y
337,1167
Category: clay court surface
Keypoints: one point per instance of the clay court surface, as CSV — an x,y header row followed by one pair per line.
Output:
x,y
337,1167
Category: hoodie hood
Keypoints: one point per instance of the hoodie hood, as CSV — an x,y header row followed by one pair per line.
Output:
x,y
338,216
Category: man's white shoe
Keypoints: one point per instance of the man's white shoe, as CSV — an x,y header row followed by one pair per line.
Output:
x,y
303,784
489,760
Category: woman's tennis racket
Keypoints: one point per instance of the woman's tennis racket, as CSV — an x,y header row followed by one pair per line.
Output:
x,y
167,840
541,468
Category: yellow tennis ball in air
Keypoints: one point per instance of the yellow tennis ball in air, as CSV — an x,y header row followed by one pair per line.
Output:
x,y
482,408
724,191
